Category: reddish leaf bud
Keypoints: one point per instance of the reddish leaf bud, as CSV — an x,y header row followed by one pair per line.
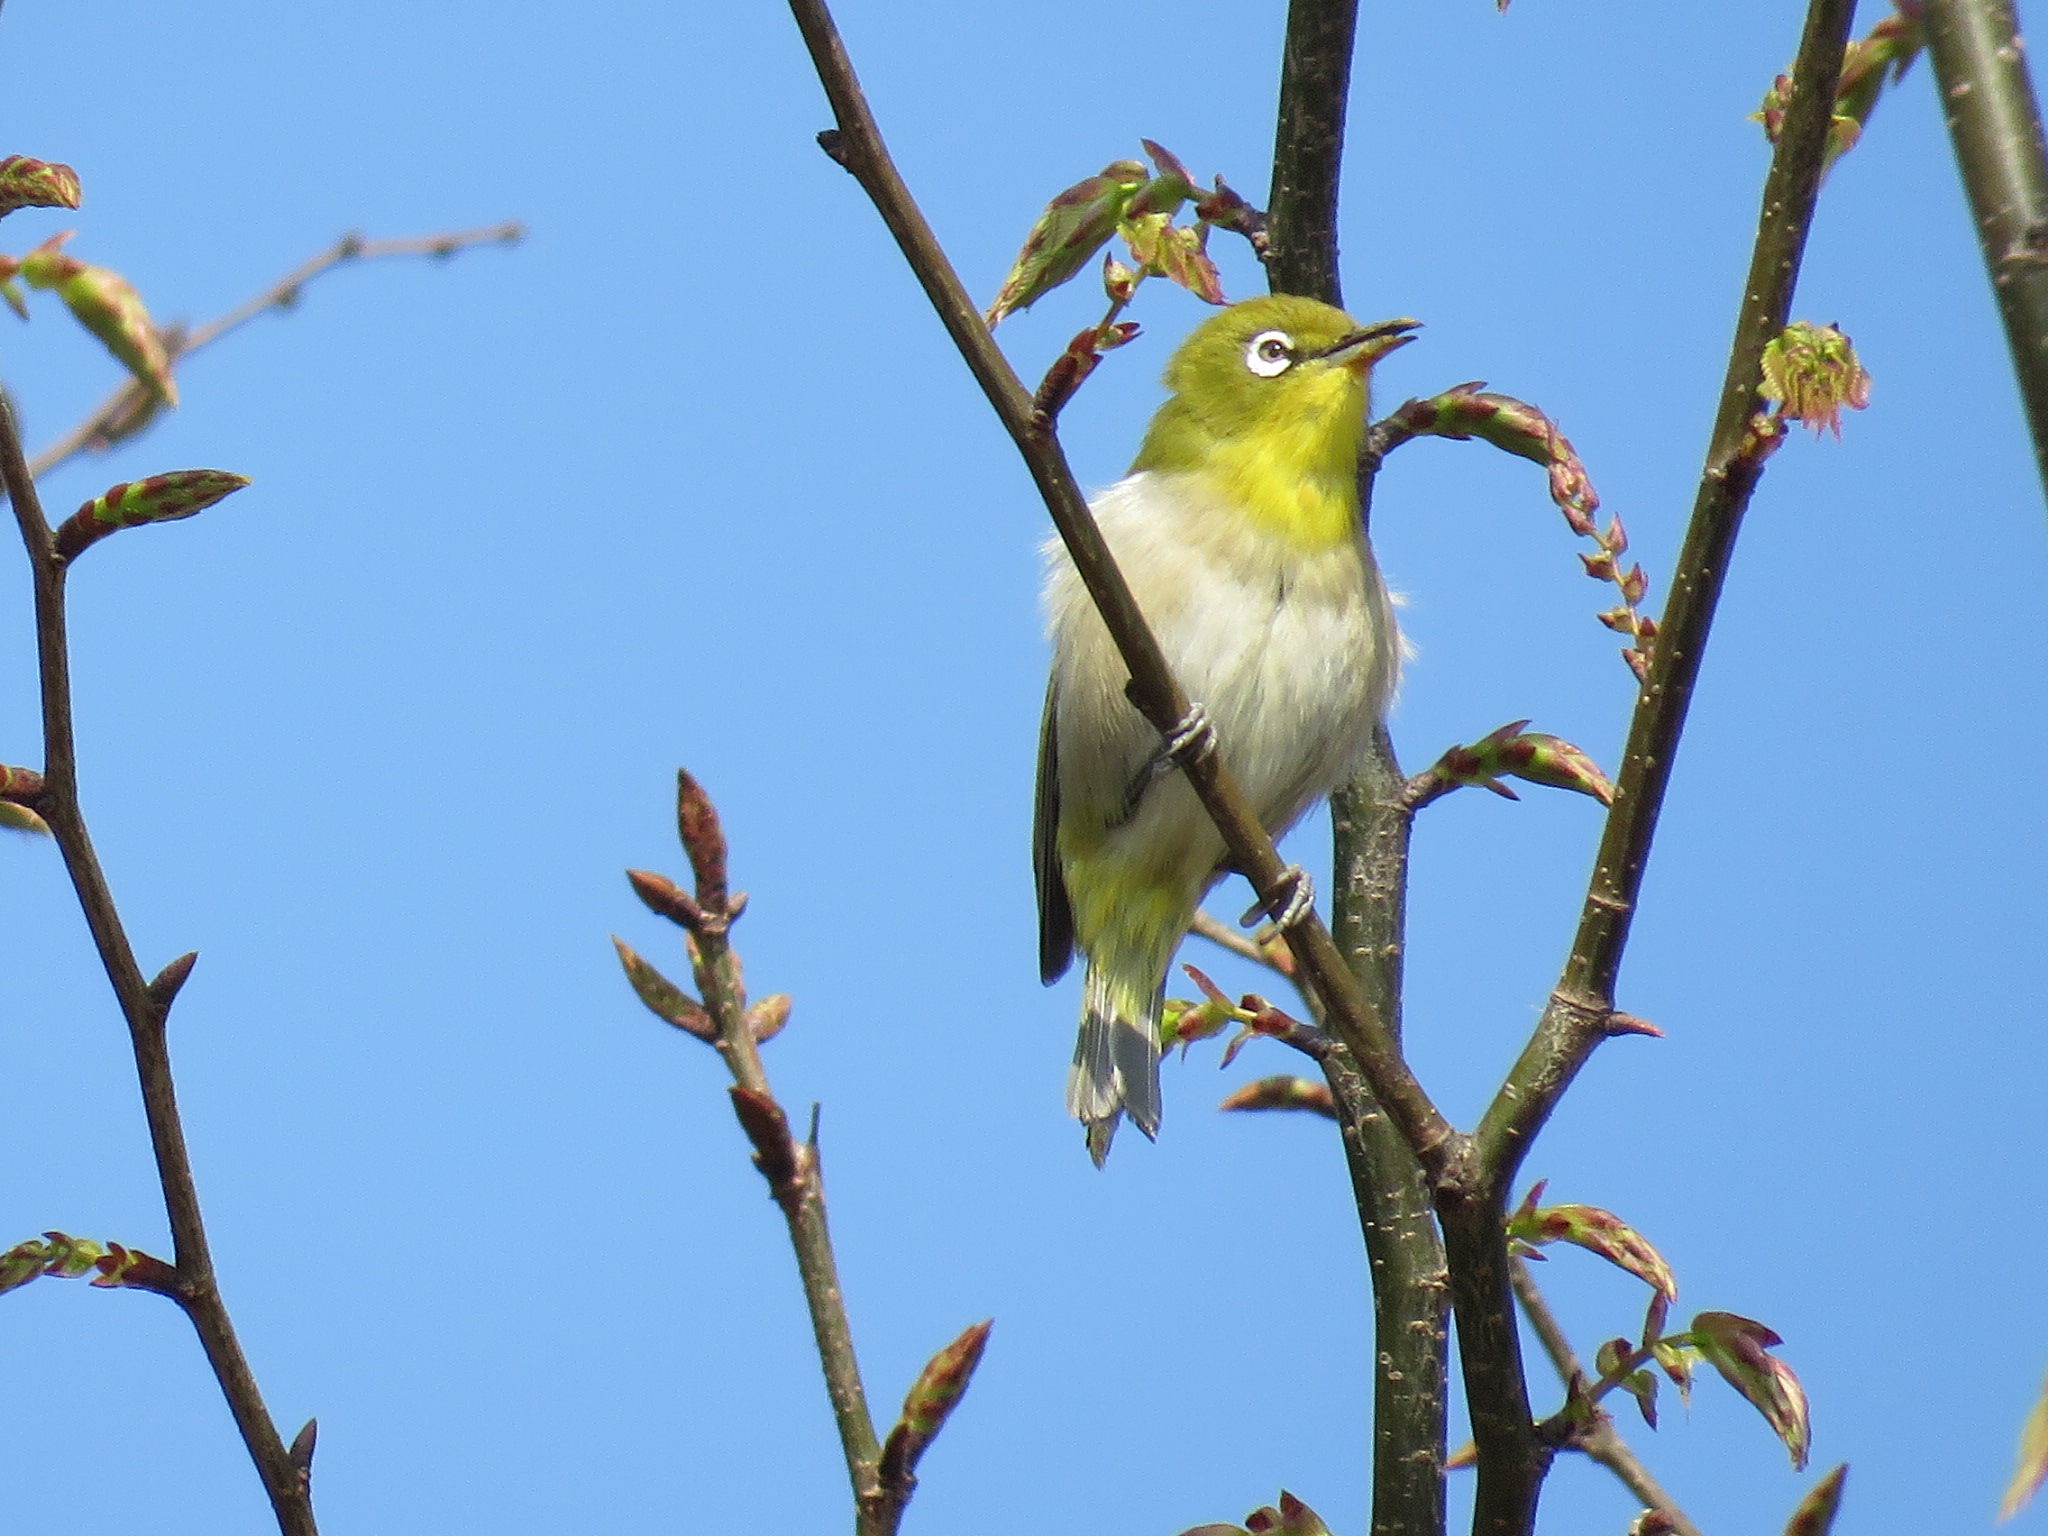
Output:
x,y
1815,1515
1284,1092
1597,1231
931,1401
26,183
704,841
131,1269
166,498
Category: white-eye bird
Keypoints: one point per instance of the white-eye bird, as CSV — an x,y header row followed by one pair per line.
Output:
x,y
1239,531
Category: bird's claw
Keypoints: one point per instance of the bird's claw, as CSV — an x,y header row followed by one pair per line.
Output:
x,y
1301,900
1193,739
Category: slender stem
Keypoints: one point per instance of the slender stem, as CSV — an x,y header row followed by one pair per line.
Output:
x,y
130,408
858,146
1995,124
1369,890
796,1178
198,1292
1576,1019
1602,1442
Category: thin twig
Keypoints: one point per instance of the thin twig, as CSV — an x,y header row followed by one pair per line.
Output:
x,y
1246,946
858,146
198,1292
1995,124
1580,1010
129,409
1602,1442
792,1168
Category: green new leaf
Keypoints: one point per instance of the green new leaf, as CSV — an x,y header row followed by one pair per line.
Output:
x,y
1815,1515
19,818
105,303
26,183
1075,225
57,1255
2032,1470
664,999
1813,371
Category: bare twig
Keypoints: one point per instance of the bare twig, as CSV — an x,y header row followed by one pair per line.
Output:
x,y
857,145
146,1012
1246,946
1602,1442
1995,124
130,408
795,1175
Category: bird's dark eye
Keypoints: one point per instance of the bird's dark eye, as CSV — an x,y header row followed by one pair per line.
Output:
x,y
1270,354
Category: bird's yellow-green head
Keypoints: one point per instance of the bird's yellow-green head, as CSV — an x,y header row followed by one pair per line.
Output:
x,y
1269,404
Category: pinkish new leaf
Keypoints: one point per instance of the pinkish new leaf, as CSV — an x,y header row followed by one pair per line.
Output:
x,y
1739,1348
26,183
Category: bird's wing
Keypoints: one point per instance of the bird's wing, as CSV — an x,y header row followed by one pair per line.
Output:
x,y
1055,912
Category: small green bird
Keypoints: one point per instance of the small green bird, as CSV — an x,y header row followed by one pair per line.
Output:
x,y
1238,529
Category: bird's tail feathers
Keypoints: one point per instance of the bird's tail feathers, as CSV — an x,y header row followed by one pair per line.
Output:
x,y
1116,1059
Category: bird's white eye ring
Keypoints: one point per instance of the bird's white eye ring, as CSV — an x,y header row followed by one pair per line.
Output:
x,y
1269,354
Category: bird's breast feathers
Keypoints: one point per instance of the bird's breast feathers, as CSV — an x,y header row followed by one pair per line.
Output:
x,y
1291,647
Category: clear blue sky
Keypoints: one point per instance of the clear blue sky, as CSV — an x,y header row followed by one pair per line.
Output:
x,y
693,477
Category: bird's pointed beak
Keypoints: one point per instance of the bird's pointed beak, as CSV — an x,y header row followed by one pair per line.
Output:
x,y
1361,349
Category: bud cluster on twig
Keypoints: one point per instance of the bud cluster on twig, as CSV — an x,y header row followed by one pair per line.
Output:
x,y
1182,1022
1890,49
63,1257
1737,1347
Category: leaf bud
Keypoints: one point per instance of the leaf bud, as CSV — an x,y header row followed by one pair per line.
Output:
x,y
26,183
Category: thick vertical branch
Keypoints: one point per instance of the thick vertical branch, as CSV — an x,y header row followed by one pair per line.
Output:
x,y
1308,147
197,1293
1995,124
1369,888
